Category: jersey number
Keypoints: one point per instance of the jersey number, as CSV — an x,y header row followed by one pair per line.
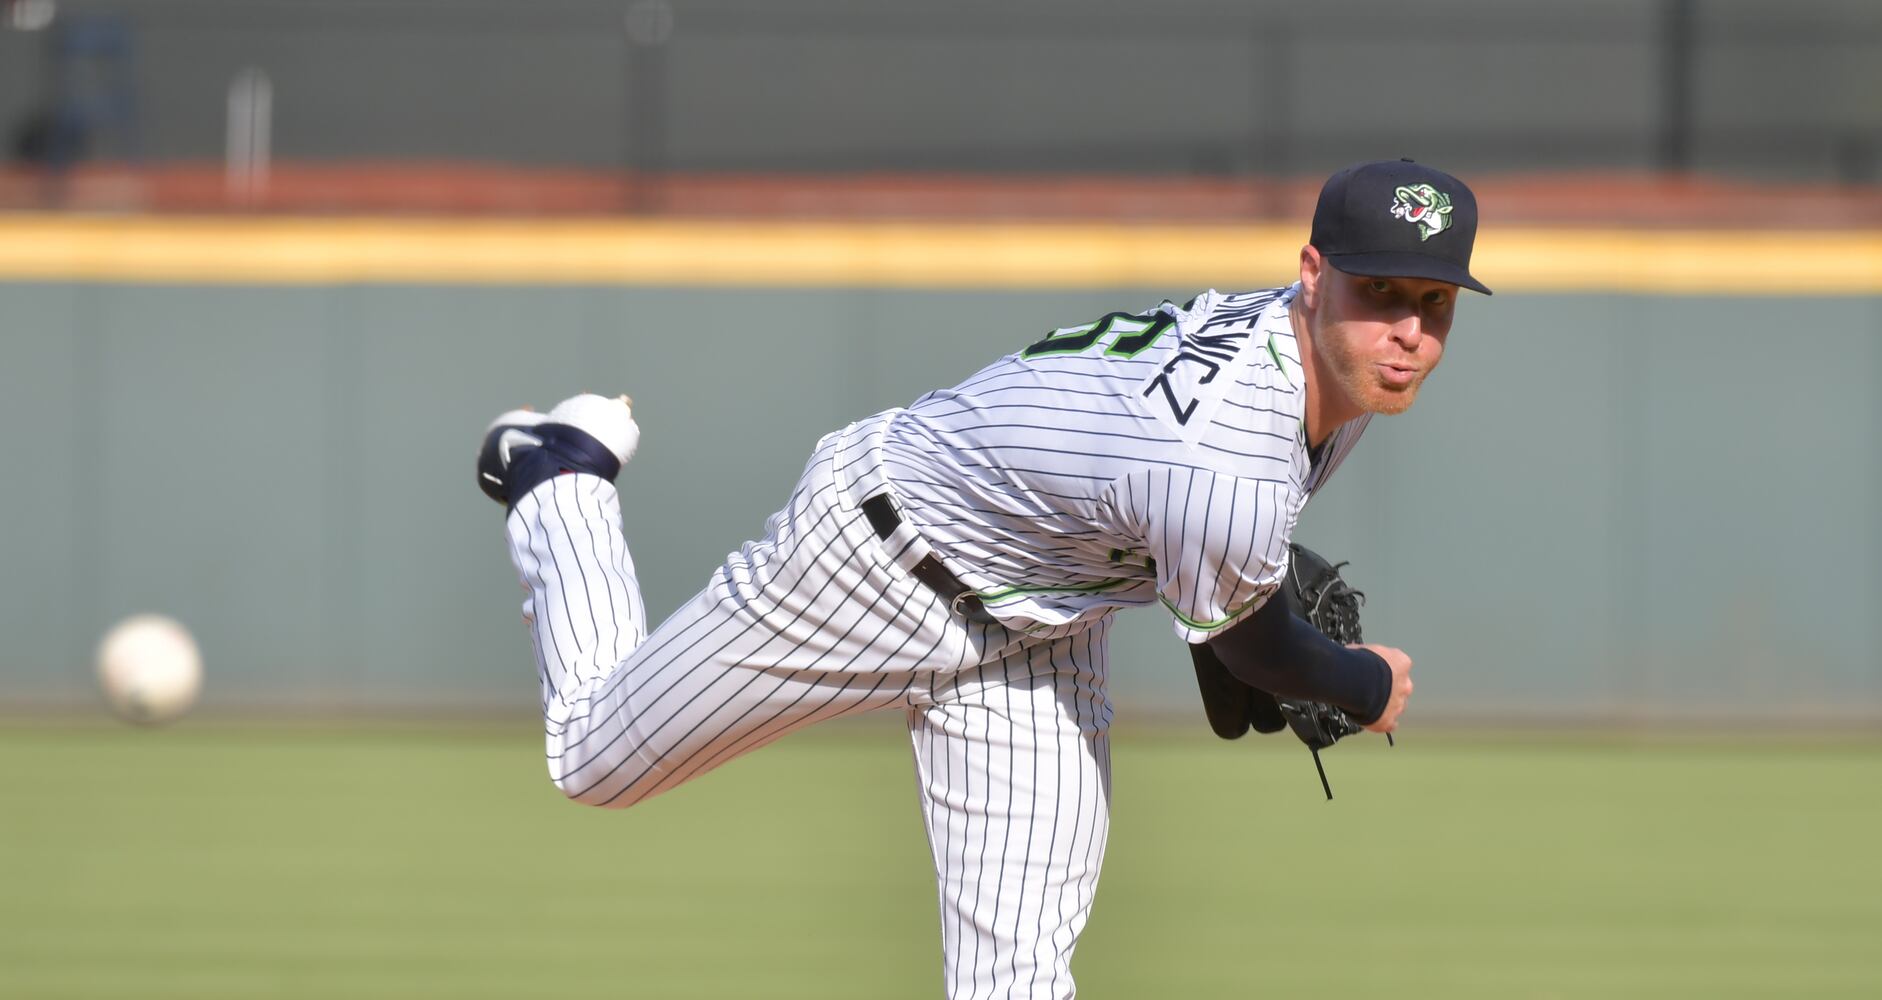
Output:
x,y
1129,335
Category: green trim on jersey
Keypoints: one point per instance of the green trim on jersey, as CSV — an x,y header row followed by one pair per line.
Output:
x,y
1132,343
1130,334
1211,626
1281,363
987,597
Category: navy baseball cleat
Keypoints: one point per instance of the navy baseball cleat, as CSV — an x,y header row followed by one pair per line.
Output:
x,y
588,434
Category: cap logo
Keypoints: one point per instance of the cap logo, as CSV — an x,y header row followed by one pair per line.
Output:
x,y
1424,206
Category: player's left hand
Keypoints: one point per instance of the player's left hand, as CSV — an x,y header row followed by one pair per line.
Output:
x,y
1400,665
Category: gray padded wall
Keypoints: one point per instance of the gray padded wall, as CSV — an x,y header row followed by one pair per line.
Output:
x,y
1602,506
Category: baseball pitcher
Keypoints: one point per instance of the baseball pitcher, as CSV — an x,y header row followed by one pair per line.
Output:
x,y
960,561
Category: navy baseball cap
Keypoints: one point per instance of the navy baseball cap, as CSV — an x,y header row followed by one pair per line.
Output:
x,y
1397,219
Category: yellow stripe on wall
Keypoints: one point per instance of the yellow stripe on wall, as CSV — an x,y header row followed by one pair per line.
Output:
x,y
219,251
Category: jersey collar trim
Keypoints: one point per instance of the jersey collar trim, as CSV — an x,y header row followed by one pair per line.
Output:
x,y
1283,346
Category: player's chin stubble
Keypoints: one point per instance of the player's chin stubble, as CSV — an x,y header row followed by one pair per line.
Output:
x,y
1359,379
1388,400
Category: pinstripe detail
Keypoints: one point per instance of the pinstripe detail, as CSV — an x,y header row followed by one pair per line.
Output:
x,y
1028,476
813,622
1061,487
1012,761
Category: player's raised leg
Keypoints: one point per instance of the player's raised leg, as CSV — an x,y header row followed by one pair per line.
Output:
x,y
808,623
1013,761
556,472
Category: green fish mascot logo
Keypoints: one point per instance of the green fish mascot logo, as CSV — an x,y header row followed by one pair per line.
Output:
x,y
1426,207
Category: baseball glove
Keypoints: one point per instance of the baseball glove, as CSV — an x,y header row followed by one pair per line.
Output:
x,y
1315,591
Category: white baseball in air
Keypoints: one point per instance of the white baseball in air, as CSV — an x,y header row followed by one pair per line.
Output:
x,y
150,668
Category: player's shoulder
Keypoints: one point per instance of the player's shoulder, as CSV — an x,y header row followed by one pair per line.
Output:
x,y
1259,327
1232,384
1250,332
1215,310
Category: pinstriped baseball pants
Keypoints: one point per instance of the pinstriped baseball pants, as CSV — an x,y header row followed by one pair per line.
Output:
x,y
816,621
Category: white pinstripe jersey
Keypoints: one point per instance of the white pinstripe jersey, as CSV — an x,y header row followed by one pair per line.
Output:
x,y
1127,461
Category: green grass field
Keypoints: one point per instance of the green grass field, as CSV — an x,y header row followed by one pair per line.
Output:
x,y
219,860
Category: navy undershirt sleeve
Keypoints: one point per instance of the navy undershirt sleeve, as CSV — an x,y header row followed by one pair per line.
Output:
x,y
1283,655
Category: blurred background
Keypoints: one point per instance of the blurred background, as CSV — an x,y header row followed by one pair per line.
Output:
x,y
267,267
270,266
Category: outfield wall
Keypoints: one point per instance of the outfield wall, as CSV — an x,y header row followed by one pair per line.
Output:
x,y
1617,505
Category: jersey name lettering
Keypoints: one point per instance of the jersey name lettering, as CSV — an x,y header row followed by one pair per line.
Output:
x,y
1177,390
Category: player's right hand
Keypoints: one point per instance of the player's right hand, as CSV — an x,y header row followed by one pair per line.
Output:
x,y
1401,665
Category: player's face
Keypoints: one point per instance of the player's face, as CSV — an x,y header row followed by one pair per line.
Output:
x,y
1379,338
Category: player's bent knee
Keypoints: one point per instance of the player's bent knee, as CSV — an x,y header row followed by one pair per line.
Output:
x,y
585,790
607,772
580,792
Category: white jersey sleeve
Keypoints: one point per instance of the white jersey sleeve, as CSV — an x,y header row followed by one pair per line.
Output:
x,y
1218,541
1217,526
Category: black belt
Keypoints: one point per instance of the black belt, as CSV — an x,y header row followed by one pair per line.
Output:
x,y
883,517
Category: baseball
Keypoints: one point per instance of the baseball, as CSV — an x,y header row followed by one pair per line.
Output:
x,y
150,669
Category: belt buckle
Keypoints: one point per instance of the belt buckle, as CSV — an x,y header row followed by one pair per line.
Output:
x,y
968,605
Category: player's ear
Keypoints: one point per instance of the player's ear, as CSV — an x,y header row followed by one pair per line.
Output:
x,y
1311,267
